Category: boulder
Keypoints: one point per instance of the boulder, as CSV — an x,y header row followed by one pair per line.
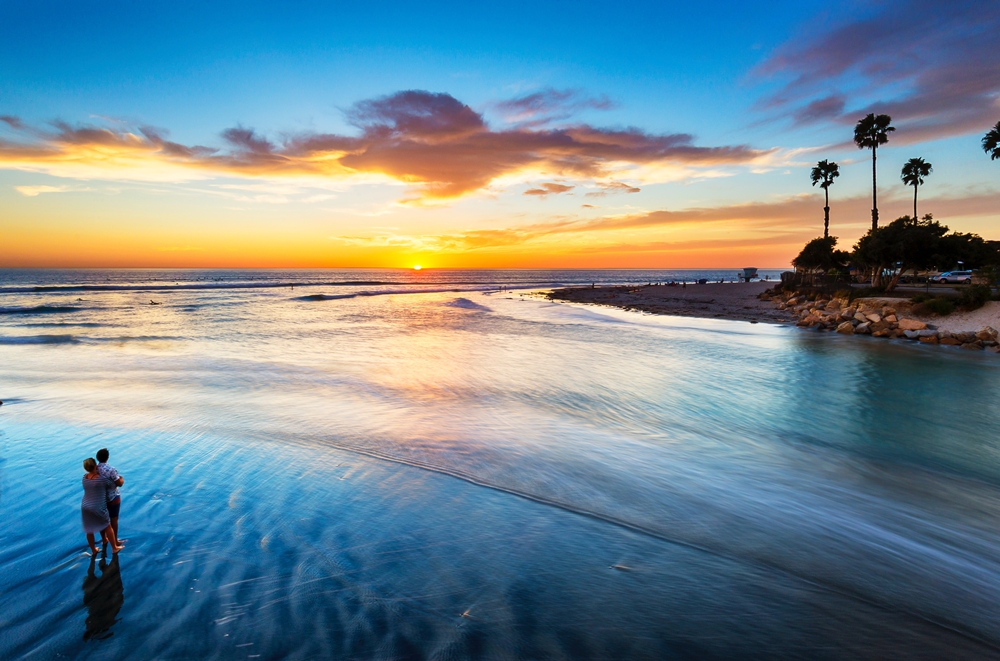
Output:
x,y
949,340
973,346
874,318
833,305
884,332
995,348
891,318
986,333
965,338
860,317
929,339
911,324
927,333
911,334
847,328
863,329
888,311
878,326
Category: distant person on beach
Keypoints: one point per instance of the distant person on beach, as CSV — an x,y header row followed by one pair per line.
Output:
x,y
94,507
109,472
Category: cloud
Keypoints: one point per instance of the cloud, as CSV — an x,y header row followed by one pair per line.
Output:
x,y
613,187
933,66
440,148
548,105
12,121
549,189
787,221
35,191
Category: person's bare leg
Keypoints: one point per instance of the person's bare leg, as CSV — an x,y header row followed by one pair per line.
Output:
x,y
92,544
110,532
114,526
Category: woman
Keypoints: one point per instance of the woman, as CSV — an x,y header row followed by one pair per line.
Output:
x,y
94,507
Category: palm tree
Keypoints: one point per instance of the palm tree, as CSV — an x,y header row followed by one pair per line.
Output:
x,y
991,142
823,174
870,132
913,175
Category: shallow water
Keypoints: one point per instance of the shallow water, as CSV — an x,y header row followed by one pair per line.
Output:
x,y
342,470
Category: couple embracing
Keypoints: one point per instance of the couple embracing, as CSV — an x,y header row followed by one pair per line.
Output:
x,y
101,501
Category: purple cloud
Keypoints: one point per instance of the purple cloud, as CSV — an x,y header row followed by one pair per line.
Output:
x,y
940,61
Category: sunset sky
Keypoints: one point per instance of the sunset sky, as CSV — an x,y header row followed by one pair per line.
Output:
x,y
308,134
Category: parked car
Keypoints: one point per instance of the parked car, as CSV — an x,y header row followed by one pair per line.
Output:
x,y
958,277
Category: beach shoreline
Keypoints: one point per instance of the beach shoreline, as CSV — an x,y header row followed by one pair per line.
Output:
x,y
756,302
737,301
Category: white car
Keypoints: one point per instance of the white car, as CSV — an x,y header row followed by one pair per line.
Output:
x,y
959,277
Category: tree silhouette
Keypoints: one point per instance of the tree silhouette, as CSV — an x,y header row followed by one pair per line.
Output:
x,y
823,174
870,132
913,174
991,142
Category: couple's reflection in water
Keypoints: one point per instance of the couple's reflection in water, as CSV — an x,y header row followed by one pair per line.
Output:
x,y
103,595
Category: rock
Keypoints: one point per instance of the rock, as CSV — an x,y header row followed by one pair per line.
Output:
x,y
847,328
911,324
833,305
879,326
986,343
860,317
911,334
965,338
994,349
973,346
986,333
927,333
874,318
888,311
891,318
949,341
929,339
863,329
884,332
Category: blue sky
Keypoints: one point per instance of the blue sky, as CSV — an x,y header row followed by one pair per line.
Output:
x,y
782,81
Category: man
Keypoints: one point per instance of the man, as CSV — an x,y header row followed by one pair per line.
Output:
x,y
114,497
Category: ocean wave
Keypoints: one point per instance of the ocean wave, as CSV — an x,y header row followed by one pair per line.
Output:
x,y
39,339
466,304
388,292
41,309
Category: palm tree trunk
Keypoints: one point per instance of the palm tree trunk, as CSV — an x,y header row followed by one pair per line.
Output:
x,y
914,201
826,215
874,192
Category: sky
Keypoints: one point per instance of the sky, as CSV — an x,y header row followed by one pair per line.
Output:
x,y
467,135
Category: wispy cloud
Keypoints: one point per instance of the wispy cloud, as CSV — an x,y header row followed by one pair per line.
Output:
x,y
786,221
549,105
549,189
433,143
35,191
933,66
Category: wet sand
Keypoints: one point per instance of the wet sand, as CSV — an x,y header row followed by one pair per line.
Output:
x,y
736,301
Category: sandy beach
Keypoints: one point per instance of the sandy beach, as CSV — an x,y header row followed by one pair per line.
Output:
x,y
737,301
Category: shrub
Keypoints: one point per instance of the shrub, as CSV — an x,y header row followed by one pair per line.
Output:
x,y
921,297
940,306
974,297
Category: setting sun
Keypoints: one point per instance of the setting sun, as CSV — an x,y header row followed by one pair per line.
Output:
x,y
416,267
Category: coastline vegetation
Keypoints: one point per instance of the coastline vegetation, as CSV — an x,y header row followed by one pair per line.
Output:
x,y
905,248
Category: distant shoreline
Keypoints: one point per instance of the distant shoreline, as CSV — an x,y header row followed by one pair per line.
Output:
x,y
736,301
742,302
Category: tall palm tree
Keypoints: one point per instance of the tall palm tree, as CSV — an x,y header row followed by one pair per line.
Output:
x,y
870,132
913,174
991,142
823,174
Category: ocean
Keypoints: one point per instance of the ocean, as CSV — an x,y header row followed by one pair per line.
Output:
x,y
443,464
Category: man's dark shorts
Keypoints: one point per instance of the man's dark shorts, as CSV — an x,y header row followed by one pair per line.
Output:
x,y
114,507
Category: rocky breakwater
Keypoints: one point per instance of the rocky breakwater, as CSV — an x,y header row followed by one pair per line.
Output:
x,y
874,318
